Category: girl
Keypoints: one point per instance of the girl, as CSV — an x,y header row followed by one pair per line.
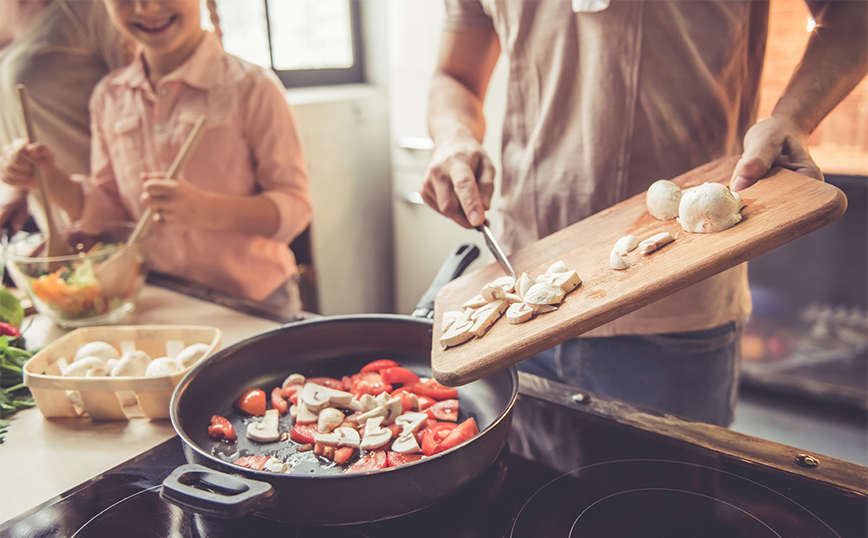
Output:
x,y
243,195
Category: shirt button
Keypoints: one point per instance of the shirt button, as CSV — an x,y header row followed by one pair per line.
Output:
x,y
160,128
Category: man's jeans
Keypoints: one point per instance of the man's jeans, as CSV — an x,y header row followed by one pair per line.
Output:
x,y
693,375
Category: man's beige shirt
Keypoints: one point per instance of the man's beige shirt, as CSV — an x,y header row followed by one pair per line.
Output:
x,y
602,103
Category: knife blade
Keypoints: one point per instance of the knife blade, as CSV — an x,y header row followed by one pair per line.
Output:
x,y
495,249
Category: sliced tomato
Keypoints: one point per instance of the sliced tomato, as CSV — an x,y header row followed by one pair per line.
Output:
x,y
424,402
432,441
394,459
252,402
371,461
303,433
368,383
381,364
409,401
343,454
221,428
329,382
461,433
278,401
432,389
427,425
399,375
290,392
252,462
395,429
444,410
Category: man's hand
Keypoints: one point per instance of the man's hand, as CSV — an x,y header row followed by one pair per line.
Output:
x,y
13,208
459,181
773,142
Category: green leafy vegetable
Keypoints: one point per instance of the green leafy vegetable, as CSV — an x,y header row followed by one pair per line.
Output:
x,y
11,310
14,395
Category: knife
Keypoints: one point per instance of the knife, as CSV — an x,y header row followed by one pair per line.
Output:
x,y
496,250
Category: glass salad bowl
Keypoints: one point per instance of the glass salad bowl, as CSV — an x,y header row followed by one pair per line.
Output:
x,y
98,284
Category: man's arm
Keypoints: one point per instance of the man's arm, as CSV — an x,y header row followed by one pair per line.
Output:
x,y
835,60
460,177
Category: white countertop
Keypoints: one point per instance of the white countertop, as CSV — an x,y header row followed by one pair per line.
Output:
x,y
43,458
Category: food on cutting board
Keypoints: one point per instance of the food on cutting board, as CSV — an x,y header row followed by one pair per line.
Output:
x,y
520,300
623,246
97,358
385,415
655,242
709,208
662,199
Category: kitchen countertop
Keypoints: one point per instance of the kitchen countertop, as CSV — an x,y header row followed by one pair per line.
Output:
x,y
43,458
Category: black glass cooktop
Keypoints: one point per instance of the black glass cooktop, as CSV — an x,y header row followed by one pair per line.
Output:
x,y
570,469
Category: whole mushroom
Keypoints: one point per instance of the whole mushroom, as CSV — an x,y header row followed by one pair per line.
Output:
x,y
662,199
709,208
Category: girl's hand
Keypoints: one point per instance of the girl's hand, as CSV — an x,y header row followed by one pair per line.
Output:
x,y
19,161
177,204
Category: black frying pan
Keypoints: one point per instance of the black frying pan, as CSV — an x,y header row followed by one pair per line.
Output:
x,y
313,495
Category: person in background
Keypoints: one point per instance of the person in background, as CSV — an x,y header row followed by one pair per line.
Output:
x,y
243,196
59,50
603,99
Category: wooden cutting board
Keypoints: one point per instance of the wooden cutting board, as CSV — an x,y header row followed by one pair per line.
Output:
x,y
781,207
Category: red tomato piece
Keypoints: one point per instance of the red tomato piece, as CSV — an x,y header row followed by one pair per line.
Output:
x,y
409,401
252,462
432,389
427,425
278,401
461,433
329,382
343,454
399,375
368,383
433,439
221,428
394,459
444,410
373,460
395,429
290,390
425,402
303,433
376,366
252,402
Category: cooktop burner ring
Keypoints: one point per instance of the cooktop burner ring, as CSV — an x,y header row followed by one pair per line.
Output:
x,y
661,497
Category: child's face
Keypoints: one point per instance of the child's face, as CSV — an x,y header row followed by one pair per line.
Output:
x,y
162,27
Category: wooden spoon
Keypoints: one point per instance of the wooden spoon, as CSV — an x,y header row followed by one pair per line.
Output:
x,y
55,244
115,273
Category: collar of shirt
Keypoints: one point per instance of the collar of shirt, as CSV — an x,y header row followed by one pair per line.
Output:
x,y
203,69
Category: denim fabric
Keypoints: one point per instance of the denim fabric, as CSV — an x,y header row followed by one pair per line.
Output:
x,y
693,375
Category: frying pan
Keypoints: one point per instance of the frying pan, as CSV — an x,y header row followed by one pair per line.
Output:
x,y
313,494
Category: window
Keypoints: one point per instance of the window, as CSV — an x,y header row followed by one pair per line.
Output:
x,y
306,42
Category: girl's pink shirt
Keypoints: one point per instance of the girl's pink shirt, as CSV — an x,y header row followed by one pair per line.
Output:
x,y
251,146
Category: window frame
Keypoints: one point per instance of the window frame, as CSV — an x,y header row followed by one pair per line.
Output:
x,y
302,78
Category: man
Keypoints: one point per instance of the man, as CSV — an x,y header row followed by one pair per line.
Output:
x,y
604,98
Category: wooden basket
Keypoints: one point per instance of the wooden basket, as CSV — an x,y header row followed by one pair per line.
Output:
x,y
112,398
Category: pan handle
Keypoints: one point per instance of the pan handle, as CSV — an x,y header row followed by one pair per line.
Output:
x,y
207,492
451,269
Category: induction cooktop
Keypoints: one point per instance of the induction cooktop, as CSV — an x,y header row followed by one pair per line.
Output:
x,y
574,466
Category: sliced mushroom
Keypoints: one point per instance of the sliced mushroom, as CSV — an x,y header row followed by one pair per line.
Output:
x,y
449,318
275,465
99,349
329,419
368,402
622,247
342,436
474,302
264,431
505,282
525,281
655,242
303,414
519,313
375,435
491,293
389,411
406,443
543,308
293,379
458,333
557,267
544,293
567,281
410,422
486,316
316,397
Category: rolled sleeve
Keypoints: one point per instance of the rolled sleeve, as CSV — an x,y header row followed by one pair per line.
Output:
x,y
464,15
278,159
